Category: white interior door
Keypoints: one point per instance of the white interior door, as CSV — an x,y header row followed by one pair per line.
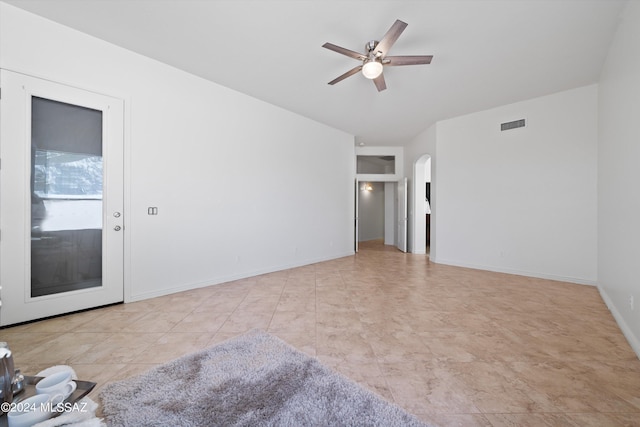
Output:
x,y
61,199
357,207
402,215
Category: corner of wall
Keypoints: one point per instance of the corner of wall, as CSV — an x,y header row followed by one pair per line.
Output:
x,y
634,342
618,202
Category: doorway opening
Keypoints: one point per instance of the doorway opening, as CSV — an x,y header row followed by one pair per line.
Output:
x,y
422,233
381,213
376,217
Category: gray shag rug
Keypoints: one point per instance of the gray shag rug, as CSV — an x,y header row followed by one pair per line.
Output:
x,y
252,380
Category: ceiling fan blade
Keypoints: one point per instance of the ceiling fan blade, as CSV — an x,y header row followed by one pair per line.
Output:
x,y
380,83
349,73
390,37
347,52
408,60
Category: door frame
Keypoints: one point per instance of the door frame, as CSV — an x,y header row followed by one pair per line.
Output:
x,y
356,216
402,205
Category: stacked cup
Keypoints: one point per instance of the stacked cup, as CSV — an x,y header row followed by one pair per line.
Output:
x,y
58,386
50,391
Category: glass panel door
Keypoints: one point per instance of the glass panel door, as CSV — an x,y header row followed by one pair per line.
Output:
x,y
61,199
66,197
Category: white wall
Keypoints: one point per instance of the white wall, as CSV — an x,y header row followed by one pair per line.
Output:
x,y
371,217
619,176
521,201
242,187
427,171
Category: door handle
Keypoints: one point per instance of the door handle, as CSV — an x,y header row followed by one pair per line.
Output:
x,y
116,214
117,228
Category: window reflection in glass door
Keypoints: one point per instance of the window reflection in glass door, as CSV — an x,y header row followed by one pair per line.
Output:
x,y
66,197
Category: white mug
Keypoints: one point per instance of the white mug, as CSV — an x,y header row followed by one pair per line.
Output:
x,y
58,386
30,411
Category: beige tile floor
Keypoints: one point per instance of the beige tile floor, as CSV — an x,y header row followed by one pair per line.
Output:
x,y
454,346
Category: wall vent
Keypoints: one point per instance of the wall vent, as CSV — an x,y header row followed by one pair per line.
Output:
x,y
512,125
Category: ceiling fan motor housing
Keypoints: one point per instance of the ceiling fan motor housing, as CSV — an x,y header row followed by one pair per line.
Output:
x,y
370,48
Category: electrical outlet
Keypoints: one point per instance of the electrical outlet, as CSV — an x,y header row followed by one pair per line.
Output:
x,y
631,303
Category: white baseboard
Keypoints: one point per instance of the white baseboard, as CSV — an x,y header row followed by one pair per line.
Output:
x,y
633,340
558,278
229,278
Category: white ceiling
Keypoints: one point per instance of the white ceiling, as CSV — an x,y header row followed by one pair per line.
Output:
x,y
486,52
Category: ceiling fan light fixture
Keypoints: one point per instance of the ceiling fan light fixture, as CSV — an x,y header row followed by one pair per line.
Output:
x,y
372,69
376,56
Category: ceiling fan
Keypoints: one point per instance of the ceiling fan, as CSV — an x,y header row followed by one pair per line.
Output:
x,y
376,57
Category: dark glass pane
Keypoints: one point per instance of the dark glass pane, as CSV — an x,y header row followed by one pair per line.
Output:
x,y
66,197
